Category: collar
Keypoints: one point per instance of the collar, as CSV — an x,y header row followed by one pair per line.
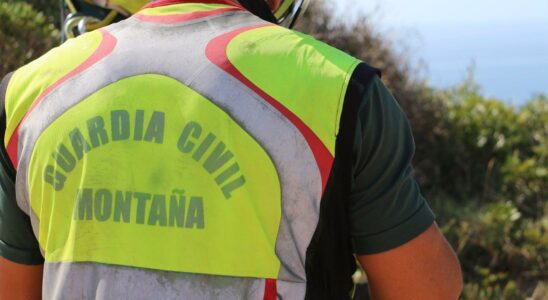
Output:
x,y
159,3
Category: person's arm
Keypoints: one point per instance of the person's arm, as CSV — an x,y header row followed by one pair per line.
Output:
x,y
19,281
20,257
424,268
395,238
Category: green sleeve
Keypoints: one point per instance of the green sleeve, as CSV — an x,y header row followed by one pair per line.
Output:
x,y
387,208
17,240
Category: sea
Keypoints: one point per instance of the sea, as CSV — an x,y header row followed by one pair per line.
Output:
x,y
509,60
505,43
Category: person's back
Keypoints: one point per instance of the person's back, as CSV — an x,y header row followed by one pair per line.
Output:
x,y
186,152
156,142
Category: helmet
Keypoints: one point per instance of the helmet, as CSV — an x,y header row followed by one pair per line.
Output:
x,y
86,15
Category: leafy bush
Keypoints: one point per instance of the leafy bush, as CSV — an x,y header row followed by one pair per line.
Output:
x,y
25,34
50,8
525,171
485,148
497,246
489,191
476,135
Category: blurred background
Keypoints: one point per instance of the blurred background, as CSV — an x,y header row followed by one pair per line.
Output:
x,y
472,77
506,41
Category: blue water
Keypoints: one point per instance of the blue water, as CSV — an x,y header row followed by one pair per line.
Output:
x,y
510,59
507,41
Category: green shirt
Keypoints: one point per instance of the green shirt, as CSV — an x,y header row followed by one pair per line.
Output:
x,y
387,208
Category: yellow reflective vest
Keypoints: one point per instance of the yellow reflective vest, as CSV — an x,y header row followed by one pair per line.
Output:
x,y
188,148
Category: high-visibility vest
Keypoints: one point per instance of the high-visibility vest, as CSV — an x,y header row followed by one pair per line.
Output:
x,y
183,153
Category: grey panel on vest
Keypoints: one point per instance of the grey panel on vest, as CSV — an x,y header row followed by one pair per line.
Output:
x,y
178,51
291,290
3,90
99,281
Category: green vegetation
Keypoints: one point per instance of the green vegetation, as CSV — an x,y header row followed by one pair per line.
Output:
x,y
490,165
25,34
482,164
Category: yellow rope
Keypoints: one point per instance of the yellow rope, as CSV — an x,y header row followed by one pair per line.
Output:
x,y
70,6
106,21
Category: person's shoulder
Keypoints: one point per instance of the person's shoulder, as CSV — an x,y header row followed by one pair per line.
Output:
x,y
31,81
279,42
55,64
325,59
325,49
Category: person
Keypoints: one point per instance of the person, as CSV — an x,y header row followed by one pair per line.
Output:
x,y
199,150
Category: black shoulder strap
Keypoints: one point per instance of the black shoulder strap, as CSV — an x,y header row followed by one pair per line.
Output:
x,y
259,8
329,261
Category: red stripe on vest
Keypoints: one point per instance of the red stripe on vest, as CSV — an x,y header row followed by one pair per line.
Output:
x,y
216,53
270,289
177,18
105,48
159,3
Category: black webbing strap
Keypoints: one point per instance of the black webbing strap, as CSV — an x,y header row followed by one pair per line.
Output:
x,y
329,261
259,8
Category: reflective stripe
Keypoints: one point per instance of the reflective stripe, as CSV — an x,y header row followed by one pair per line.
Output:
x,y
270,291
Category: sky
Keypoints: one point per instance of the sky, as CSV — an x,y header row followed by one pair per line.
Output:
x,y
506,41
